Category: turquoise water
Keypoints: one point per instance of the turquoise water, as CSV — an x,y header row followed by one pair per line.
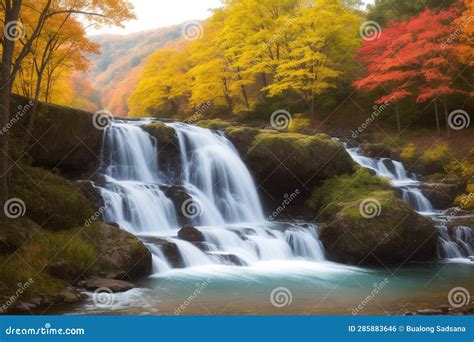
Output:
x,y
299,288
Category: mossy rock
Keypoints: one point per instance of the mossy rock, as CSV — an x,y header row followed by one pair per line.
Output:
x,y
163,134
241,137
365,223
50,200
287,161
63,138
215,124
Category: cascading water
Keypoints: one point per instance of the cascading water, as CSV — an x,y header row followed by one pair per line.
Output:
x,y
230,216
454,244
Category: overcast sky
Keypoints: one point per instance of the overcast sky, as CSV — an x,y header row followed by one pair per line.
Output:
x,y
161,13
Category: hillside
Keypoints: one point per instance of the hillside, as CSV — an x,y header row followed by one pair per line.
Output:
x,y
113,74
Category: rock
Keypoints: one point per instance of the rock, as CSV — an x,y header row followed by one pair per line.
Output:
x,y
121,252
68,295
364,222
241,137
214,124
179,196
442,194
113,285
471,258
15,234
227,258
162,133
22,306
429,312
91,192
381,150
444,308
279,161
63,138
191,234
169,249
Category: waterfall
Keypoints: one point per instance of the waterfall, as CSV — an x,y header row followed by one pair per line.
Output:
x,y
454,244
231,219
215,174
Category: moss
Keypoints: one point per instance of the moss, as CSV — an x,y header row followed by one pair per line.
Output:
x,y
162,133
51,201
241,137
34,259
215,124
436,158
299,123
408,154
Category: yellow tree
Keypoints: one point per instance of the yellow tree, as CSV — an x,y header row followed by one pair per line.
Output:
x,y
321,38
164,84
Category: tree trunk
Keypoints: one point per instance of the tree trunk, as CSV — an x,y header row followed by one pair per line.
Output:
x,y
312,113
399,128
246,99
12,13
448,131
437,117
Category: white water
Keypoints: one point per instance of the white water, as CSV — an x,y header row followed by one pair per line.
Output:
x,y
230,215
454,245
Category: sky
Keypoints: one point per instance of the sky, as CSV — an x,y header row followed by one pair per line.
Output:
x,y
161,13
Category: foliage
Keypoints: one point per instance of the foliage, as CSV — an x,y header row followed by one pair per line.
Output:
x,y
408,153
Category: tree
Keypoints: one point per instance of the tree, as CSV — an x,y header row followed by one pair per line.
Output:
x,y
319,39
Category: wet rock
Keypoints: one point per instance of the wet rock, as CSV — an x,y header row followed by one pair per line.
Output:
x,y
228,259
179,196
68,295
113,285
444,308
191,234
442,194
168,248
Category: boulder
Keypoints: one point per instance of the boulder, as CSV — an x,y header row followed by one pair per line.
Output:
x,y
398,235
191,234
178,195
113,285
283,162
442,194
121,252
66,296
